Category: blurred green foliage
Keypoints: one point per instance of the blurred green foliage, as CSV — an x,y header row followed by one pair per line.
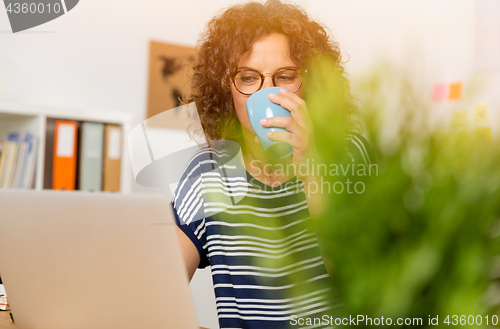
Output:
x,y
421,239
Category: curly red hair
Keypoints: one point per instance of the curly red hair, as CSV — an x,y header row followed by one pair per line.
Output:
x,y
231,34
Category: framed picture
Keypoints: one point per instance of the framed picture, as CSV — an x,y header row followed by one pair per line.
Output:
x,y
169,81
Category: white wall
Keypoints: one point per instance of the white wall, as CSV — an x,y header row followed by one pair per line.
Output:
x,y
95,57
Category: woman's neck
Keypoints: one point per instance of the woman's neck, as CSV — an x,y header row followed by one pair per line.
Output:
x,y
272,172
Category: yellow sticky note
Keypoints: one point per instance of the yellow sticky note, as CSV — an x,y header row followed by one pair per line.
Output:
x,y
459,118
483,133
455,90
481,113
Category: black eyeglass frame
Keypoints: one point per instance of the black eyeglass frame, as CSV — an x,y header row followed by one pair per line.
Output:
x,y
263,76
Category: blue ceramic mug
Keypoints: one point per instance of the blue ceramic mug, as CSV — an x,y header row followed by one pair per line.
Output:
x,y
260,107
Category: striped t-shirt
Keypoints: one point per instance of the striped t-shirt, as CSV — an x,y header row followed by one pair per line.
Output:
x,y
266,264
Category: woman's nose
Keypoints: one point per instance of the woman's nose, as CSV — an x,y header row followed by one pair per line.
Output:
x,y
268,82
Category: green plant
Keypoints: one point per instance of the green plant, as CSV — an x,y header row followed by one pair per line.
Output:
x,y
420,240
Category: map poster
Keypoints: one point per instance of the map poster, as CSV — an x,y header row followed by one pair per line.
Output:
x,y
169,80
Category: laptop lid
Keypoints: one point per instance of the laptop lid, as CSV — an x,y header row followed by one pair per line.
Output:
x,y
78,260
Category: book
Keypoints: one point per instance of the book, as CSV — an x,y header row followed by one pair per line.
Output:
x,y
21,159
17,160
10,159
65,155
28,176
112,157
23,139
90,156
3,159
49,153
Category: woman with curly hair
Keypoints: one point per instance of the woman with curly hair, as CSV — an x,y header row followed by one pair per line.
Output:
x,y
266,263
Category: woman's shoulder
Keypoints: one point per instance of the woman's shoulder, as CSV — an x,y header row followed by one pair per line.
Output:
x,y
185,196
202,158
208,157
210,173
206,160
359,148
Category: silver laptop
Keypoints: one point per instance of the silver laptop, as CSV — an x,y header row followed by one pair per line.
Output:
x,y
76,260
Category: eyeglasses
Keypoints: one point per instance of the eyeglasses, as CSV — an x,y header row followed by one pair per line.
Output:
x,y
248,81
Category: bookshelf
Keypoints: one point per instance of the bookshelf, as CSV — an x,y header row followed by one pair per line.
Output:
x,y
21,117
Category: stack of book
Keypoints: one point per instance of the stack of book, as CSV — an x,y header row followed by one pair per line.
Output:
x,y
18,155
82,156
